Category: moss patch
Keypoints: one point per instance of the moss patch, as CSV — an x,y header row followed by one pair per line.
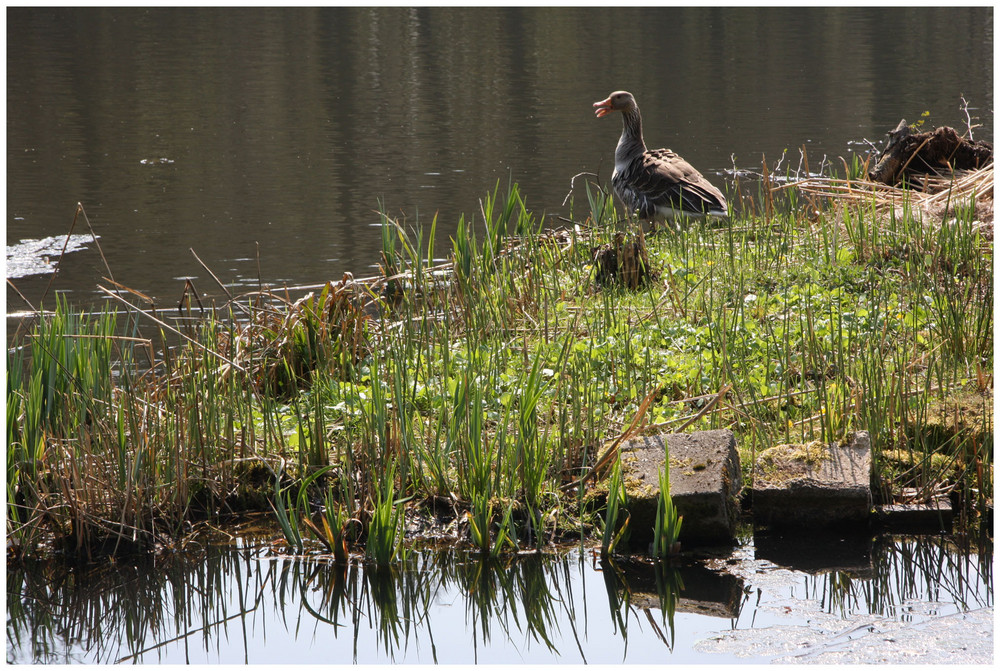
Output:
x,y
784,462
946,424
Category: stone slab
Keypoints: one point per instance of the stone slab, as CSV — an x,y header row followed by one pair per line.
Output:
x,y
933,517
705,481
813,484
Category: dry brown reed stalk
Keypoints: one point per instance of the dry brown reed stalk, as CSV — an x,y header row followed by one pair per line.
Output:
x,y
366,293
638,425
936,192
351,299
162,324
282,340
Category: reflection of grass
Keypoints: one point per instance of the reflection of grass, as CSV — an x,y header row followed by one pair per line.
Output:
x,y
910,569
669,585
516,595
619,588
497,374
619,598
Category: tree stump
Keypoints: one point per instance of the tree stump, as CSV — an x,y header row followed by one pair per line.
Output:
x,y
938,152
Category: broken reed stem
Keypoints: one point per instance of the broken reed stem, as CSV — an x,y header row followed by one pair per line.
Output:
x,y
701,413
964,183
173,330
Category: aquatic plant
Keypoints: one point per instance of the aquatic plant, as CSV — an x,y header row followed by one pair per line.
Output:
x,y
335,520
481,520
286,513
667,527
384,534
615,531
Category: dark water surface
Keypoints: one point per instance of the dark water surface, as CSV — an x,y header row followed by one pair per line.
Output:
x,y
265,139
243,605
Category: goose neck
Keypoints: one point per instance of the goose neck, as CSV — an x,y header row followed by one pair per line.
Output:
x,y
631,139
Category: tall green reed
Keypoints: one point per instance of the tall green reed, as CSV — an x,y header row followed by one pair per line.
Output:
x,y
667,527
614,531
384,535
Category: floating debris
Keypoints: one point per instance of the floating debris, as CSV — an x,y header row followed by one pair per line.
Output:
x,y
39,257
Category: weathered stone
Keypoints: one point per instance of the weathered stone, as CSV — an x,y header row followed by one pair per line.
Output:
x,y
705,482
931,517
814,484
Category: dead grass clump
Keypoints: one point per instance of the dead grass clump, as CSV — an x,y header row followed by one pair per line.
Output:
x,y
622,262
938,197
282,347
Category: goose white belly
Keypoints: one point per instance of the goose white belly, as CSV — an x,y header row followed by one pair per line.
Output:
x,y
667,213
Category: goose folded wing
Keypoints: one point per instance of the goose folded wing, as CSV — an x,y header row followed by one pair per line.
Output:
x,y
666,179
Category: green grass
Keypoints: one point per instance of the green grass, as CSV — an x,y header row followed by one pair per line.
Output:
x,y
492,380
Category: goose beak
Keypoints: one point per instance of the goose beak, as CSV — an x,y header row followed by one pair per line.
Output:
x,y
603,107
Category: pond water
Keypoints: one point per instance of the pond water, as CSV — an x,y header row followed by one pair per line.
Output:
x,y
265,139
240,603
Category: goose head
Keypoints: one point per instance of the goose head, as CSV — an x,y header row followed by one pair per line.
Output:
x,y
618,101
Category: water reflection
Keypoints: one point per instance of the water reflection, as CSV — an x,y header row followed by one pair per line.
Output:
x,y
241,606
903,572
628,588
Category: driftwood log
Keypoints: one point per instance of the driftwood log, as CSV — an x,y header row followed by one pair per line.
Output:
x,y
939,152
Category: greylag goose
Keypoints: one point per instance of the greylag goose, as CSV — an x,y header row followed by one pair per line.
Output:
x,y
657,184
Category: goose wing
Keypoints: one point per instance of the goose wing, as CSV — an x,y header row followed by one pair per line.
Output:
x,y
662,180
674,181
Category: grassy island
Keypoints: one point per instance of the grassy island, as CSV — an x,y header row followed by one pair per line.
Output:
x,y
481,387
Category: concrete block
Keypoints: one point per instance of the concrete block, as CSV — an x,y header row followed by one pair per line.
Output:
x,y
705,481
933,517
814,484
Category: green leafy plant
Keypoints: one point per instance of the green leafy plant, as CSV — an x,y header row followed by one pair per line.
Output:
x,y
285,512
336,520
481,519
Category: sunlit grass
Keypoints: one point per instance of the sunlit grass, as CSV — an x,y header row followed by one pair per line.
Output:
x,y
615,531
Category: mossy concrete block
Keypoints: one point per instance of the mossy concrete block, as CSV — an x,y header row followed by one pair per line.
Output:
x,y
705,483
813,484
